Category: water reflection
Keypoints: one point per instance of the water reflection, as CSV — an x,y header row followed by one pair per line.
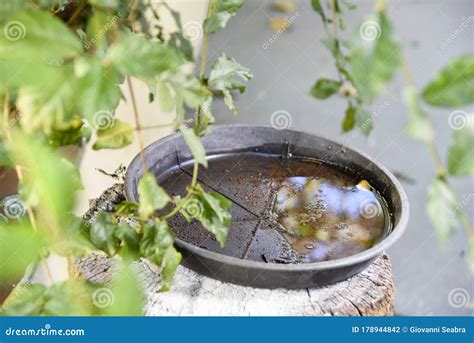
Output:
x,y
327,219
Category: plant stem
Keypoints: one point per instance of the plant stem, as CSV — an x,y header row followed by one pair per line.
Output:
x,y
202,68
441,171
76,12
19,171
137,125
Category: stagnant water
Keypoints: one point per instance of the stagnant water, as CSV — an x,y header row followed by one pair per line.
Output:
x,y
302,210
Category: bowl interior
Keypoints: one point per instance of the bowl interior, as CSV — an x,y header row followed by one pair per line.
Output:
x,y
169,159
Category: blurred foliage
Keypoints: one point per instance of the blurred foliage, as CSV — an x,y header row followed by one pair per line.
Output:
x,y
366,64
62,67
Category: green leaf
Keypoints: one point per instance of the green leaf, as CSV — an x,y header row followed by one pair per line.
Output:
x,y
165,98
419,125
375,56
460,152
98,87
97,28
324,88
170,263
206,118
223,77
40,35
157,246
316,4
442,208
139,56
152,197
125,297
224,72
52,105
106,3
222,11
194,144
5,160
49,182
119,135
76,134
102,234
187,90
211,209
453,86
350,119
129,241
19,246
68,298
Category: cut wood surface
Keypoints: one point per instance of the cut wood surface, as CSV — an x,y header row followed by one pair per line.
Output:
x,y
369,293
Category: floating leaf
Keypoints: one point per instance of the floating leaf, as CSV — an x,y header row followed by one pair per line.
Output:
x,y
222,11
375,56
118,135
453,86
324,88
442,208
419,125
460,152
152,196
194,145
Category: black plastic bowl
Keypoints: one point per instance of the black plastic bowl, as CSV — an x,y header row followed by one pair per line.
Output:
x,y
165,155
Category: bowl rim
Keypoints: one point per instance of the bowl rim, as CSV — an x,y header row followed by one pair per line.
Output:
x,y
373,252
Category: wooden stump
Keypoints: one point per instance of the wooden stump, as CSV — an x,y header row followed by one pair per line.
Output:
x,y
369,293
